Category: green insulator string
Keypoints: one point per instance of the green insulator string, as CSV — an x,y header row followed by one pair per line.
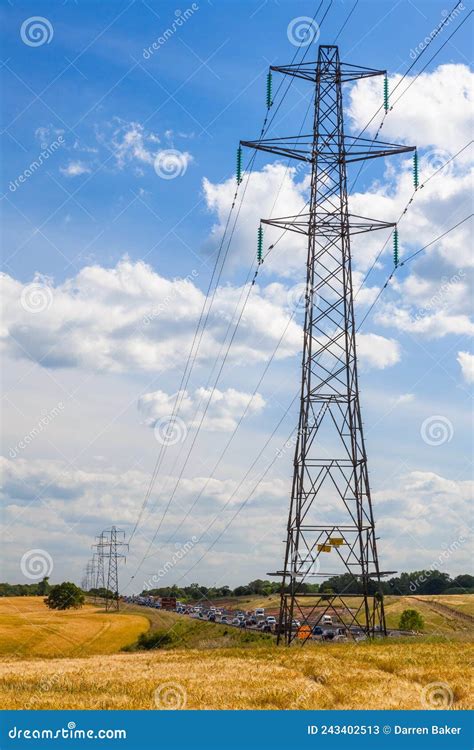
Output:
x,y
260,245
395,248
238,173
416,177
385,94
269,89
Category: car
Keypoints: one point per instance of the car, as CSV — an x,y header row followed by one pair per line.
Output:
x,y
236,621
224,619
211,617
252,620
266,628
326,620
248,623
270,620
260,612
260,624
328,635
242,624
317,630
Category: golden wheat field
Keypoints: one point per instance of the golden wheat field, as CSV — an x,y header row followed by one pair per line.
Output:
x,y
207,668
28,628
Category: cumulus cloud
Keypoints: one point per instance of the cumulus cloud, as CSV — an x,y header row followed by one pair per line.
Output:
x,y
377,351
466,362
423,519
273,192
434,112
129,318
74,169
220,410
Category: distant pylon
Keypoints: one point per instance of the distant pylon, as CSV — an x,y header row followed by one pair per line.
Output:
x,y
331,528
115,546
101,553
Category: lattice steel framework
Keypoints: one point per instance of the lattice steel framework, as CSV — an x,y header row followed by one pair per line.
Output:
x,y
100,554
330,518
111,547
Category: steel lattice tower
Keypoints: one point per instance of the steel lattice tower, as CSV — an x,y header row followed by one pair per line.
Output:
x,y
100,554
115,547
331,526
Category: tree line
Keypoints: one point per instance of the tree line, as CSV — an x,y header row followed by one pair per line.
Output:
x,y
417,582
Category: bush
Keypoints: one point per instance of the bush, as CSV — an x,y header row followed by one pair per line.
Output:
x,y
65,596
156,639
410,619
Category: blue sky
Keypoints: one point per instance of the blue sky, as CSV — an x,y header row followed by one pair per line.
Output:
x,y
106,262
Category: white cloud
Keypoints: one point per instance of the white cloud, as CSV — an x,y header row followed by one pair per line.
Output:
x,y
377,351
129,318
75,168
435,111
271,193
434,326
466,362
223,408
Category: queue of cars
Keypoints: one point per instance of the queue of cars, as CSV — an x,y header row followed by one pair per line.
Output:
x,y
323,629
257,620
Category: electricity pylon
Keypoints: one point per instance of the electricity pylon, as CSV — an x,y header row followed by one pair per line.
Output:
x,y
101,553
330,517
114,547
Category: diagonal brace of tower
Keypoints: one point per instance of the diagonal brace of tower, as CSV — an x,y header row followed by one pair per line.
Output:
x,y
331,529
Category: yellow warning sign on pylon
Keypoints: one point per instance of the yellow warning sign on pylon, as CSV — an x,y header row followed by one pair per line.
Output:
x,y
336,541
324,548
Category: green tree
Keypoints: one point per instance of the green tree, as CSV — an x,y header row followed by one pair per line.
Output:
x,y
464,581
65,596
410,619
44,587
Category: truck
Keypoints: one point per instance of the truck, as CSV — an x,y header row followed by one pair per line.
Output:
x,y
168,602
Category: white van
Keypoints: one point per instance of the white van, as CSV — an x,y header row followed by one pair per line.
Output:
x,y
326,620
260,612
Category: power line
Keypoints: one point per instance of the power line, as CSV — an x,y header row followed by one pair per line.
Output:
x,y
404,211
345,22
407,260
192,357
